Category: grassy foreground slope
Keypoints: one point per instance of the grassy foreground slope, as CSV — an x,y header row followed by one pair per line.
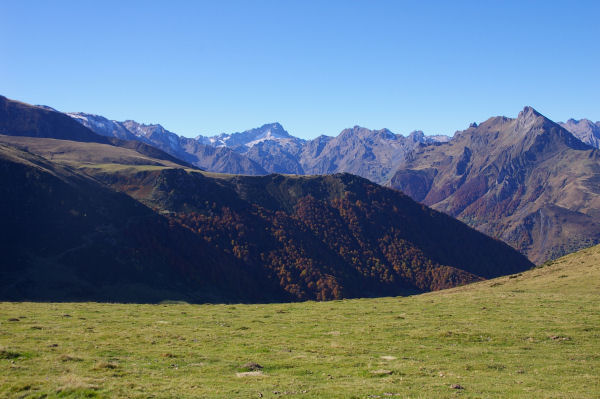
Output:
x,y
531,335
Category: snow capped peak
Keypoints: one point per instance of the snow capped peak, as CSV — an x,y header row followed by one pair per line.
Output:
x,y
249,138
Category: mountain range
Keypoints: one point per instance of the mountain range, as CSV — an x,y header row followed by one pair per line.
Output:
x,y
496,177
526,181
104,219
373,154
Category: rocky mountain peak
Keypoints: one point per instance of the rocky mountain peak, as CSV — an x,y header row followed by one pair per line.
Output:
x,y
528,119
363,132
249,138
418,136
528,114
275,129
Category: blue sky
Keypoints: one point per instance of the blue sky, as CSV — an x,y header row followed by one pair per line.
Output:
x,y
316,67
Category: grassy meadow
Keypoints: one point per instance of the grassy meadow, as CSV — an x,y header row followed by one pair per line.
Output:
x,y
532,335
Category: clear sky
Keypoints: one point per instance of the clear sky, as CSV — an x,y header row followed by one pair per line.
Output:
x,y
315,67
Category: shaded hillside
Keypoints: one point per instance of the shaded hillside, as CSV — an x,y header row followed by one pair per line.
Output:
x,y
323,237
271,238
67,237
526,181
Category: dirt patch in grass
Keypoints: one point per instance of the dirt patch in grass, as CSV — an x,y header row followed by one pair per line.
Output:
x,y
256,373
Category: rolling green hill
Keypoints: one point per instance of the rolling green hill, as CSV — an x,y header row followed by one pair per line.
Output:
x,y
533,334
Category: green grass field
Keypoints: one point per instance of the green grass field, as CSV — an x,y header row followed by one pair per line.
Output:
x,y
533,335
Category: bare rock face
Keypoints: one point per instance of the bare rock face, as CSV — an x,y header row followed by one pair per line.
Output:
x,y
527,181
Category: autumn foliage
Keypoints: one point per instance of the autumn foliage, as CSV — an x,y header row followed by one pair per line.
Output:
x,y
367,241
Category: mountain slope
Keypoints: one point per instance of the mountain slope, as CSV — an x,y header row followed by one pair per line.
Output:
x,y
223,238
526,181
67,237
324,236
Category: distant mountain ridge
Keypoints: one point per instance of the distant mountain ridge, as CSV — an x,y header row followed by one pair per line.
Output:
x,y
271,149
216,159
585,130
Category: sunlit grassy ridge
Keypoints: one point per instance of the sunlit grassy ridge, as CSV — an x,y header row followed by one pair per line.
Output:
x,y
529,335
